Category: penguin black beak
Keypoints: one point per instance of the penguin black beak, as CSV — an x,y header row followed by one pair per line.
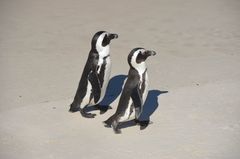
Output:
x,y
150,53
113,36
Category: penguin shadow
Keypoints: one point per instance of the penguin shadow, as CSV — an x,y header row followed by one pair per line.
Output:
x,y
150,106
114,89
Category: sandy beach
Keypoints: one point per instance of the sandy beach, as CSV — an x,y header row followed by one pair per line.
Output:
x,y
194,78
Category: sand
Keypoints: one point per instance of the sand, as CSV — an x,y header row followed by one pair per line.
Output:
x,y
43,49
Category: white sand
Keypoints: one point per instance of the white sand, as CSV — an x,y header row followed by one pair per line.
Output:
x,y
43,48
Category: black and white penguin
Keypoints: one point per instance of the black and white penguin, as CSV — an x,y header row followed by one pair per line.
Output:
x,y
134,92
95,76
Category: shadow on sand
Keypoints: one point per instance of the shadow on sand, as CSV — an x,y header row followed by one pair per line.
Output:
x,y
150,106
114,89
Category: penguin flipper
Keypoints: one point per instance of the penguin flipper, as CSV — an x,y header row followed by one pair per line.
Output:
x,y
93,77
137,101
96,87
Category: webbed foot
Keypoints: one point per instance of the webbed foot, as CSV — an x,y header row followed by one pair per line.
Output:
x,y
73,109
143,124
103,109
115,126
87,115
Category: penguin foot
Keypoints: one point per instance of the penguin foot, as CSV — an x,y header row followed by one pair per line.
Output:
x,y
87,115
115,126
142,127
74,109
103,109
117,131
107,125
143,124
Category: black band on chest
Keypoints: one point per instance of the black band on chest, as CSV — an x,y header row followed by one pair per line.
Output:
x,y
104,58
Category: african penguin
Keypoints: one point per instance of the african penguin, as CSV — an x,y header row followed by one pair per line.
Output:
x,y
95,76
134,92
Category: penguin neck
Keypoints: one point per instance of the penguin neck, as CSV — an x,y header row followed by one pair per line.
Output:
x,y
140,67
103,51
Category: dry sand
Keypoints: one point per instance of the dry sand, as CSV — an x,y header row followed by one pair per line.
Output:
x,y
43,48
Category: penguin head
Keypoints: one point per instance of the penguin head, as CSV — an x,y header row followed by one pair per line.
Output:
x,y
137,58
101,40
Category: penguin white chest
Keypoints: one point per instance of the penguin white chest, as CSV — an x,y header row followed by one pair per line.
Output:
x,y
145,83
104,69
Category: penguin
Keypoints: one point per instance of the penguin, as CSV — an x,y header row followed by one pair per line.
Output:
x,y
95,76
134,91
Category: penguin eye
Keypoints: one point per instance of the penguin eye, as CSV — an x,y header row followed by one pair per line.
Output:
x,y
142,52
105,41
